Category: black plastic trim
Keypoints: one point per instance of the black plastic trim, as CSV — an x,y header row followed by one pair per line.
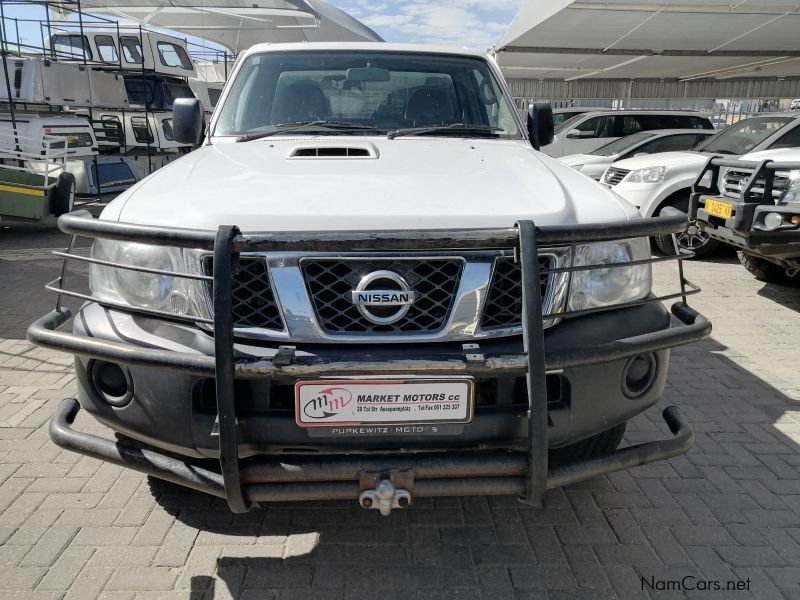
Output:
x,y
44,332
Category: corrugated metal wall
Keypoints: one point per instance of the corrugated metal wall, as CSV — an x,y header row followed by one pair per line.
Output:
x,y
644,88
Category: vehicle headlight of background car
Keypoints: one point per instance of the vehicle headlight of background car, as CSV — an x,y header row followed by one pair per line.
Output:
x,y
648,175
150,286
791,195
153,288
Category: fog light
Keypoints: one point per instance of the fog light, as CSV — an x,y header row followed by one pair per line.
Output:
x,y
773,220
794,220
111,382
638,375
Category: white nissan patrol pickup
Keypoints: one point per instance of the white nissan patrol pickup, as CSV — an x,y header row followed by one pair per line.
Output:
x,y
367,283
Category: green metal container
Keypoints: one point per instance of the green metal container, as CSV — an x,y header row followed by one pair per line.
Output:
x,y
24,194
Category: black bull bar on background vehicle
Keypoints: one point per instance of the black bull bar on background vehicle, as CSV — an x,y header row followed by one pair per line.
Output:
x,y
758,195
285,478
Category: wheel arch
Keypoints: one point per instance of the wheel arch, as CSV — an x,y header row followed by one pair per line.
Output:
x,y
679,194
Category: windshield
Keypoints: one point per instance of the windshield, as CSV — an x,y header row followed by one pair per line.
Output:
x,y
569,123
560,117
377,92
623,144
743,136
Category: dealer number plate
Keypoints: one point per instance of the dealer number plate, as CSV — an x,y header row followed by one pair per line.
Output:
x,y
715,208
383,401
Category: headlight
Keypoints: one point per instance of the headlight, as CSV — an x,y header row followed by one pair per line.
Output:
x,y
791,195
610,285
648,175
136,288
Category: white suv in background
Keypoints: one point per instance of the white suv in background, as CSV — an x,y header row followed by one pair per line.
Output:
x,y
595,163
562,114
588,131
654,182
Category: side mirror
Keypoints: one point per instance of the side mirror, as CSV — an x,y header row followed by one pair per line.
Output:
x,y
540,124
188,124
577,134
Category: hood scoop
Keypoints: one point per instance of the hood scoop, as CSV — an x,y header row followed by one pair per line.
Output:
x,y
360,151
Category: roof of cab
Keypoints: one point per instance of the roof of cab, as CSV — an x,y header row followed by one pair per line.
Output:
x,y
643,111
365,47
677,131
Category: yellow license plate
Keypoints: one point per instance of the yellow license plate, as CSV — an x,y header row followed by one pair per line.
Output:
x,y
715,208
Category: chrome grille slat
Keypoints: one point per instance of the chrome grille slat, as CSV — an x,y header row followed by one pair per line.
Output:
x,y
330,282
614,175
733,178
503,307
254,303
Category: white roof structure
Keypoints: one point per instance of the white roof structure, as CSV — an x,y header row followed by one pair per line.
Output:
x,y
683,40
373,47
239,24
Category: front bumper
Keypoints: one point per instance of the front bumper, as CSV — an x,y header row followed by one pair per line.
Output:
x,y
583,399
745,228
250,458
640,195
296,478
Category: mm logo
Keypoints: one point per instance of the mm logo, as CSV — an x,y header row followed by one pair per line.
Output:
x,y
327,403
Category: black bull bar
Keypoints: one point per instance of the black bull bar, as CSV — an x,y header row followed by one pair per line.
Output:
x,y
282,478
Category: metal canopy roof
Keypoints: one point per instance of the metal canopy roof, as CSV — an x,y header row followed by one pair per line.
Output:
x,y
637,39
238,24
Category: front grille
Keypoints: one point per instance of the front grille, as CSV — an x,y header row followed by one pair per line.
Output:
x,y
614,175
331,281
503,307
735,182
254,303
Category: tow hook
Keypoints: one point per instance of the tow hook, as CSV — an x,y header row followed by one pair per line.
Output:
x,y
384,497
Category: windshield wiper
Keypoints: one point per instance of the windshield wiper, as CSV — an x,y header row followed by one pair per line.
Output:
x,y
459,127
301,125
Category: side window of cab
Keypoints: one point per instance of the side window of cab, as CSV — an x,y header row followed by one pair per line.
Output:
x,y
595,127
790,139
669,143
631,124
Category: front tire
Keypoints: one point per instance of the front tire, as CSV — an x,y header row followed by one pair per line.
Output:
x,y
62,194
764,270
166,492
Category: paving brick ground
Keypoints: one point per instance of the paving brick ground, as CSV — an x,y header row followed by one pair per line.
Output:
x,y
71,527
